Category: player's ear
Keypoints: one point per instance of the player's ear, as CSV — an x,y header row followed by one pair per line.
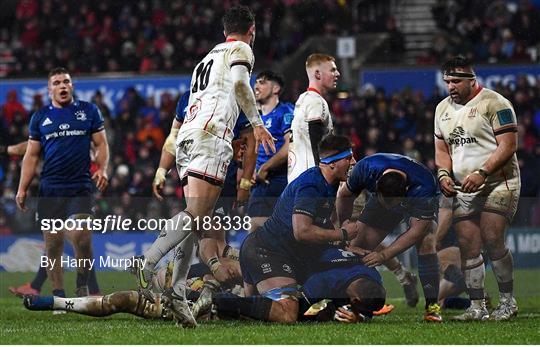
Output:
x,y
276,88
318,74
224,33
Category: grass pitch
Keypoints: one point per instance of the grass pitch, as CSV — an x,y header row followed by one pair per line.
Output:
x,y
403,326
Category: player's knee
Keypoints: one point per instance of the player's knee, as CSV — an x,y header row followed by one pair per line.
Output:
x,y
366,296
284,311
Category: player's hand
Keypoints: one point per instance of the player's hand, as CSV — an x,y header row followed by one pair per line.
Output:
x,y
357,250
159,181
228,270
262,175
345,314
101,179
20,200
472,182
447,187
374,259
264,138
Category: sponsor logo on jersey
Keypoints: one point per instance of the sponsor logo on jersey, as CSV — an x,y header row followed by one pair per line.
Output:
x,y
64,126
472,113
266,268
46,122
457,137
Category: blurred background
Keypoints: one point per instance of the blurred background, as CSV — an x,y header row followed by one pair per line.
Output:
x,y
135,58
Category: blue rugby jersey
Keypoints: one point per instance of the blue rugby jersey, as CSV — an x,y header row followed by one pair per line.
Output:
x,y
308,194
422,185
65,135
278,122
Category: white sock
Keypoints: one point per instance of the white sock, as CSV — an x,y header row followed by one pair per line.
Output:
x,y
182,262
80,305
475,273
177,229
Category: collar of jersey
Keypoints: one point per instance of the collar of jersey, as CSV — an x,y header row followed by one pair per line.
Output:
x,y
314,90
230,39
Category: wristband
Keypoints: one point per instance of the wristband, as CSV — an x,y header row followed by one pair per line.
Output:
x,y
442,173
245,184
161,173
214,264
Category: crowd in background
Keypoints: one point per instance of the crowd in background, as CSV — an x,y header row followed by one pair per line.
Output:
x,y
90,36
375,121
499,31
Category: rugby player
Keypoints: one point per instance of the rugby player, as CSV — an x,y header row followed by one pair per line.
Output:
x,y
219,84
312,120
271,176
401,189
64,131
475,152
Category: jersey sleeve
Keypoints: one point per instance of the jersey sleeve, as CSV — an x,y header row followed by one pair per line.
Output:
x,y
315,111
355,182
436,127
287,118
98,123
181,107
33,128
241,54
502,116
304,201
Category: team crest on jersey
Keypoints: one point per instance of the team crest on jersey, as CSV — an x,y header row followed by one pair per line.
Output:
x,y
445,117
46,122
268,123
80,115
193,110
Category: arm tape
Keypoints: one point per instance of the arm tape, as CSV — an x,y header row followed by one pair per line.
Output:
x,y
170,142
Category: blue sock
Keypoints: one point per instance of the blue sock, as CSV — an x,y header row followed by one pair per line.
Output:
x,y
59,292
428,271
39,279
93,285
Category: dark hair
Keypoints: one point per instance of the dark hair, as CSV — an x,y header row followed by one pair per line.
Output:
x,y
272,76
458,61
57,71
333,144
238,19
366,296
392,184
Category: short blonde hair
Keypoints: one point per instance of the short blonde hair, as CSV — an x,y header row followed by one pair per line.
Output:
x,y
317,58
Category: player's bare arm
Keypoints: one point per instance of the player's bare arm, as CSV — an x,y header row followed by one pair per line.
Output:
x,y
166,161
418,230
249,162
99,140
305,231
28,170
17,149
505,150
344,203
443,161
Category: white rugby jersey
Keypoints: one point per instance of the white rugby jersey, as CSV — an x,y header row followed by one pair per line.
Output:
x,y
212,104
469,131
309,107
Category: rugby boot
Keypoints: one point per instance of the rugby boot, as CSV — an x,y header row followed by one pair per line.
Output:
x,y
179,308
506,309
23,289
204,302
433,314
476,312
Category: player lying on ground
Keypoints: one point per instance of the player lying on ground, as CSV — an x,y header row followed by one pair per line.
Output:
x,y
135,303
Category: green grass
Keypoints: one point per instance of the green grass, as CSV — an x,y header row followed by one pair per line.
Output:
x,y
403,326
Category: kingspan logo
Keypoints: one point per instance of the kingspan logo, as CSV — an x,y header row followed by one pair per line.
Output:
x,y
457,137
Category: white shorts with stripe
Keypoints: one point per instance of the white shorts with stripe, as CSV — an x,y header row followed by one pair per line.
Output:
x,y
203,155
